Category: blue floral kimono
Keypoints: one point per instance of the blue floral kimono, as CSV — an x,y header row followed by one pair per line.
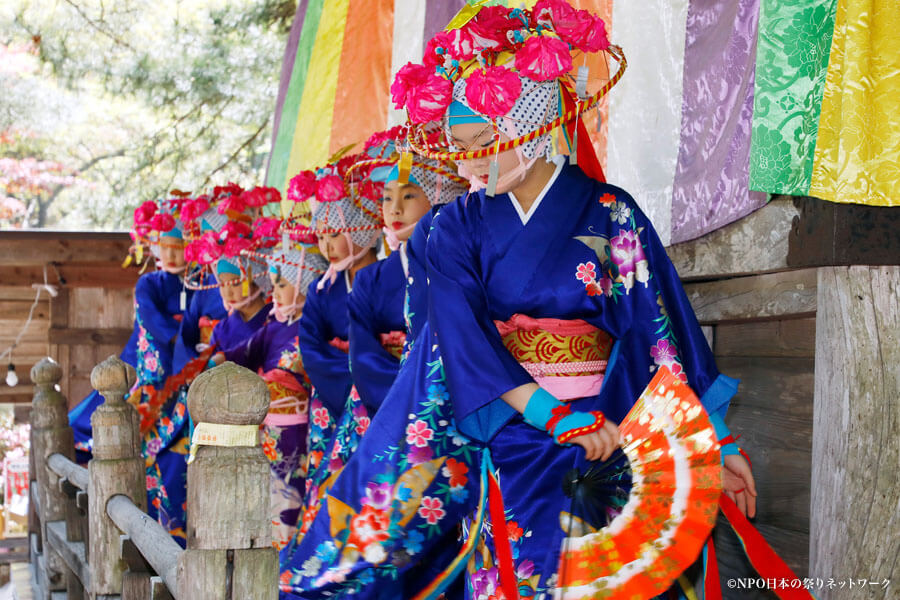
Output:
x,y
377,333
274,352
323,339
584,254
205,307
166,442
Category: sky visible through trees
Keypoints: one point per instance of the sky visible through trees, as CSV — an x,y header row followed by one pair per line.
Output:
x,y
108,103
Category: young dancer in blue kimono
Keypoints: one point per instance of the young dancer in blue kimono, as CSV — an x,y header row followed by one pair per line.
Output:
x,y
551,305
347,228
376,305
157,307
273,351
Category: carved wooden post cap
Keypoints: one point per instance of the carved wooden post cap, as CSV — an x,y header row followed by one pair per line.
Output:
x,y
113,378
46,372
230,395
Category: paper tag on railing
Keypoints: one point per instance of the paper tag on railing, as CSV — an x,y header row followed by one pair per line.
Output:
x,y
217,434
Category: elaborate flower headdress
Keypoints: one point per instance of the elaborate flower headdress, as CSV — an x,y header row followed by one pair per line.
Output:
x,y
228,232
153,221
510,68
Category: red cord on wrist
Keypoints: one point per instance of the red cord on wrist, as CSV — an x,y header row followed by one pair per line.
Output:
x,y
558,413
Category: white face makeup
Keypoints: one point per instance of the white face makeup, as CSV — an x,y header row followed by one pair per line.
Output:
x,y
402,206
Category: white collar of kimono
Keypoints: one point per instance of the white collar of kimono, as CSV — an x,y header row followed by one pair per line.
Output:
x,y
347,280
559,161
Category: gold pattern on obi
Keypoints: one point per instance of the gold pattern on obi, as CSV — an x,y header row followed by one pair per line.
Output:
x,y
562,342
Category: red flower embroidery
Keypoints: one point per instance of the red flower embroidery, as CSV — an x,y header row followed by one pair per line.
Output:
x,y
370,525
432,510
455,471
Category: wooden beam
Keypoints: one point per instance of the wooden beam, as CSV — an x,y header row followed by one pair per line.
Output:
x,y
855,525
42,247
73,274
758,243
757,297
112,337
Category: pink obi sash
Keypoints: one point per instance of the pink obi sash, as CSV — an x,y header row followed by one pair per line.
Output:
x,y
568,358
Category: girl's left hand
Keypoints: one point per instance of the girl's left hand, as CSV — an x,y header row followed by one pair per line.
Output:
x,y
738,483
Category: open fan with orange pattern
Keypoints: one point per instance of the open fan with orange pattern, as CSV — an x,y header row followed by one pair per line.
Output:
x,y
670,510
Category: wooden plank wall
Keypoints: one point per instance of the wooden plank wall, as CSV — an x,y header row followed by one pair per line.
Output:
x,y
88,325
15,302
764,333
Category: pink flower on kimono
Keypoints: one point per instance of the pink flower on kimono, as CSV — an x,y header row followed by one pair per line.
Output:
x,y
192,209
418,455
162,222
150,362
432,509
302,186
152,482
543,58
425,94
664,352
362,425
336,449
628,254
493,91
321,418
586,272
484,582
153,447
330,189
418,433
678,371
143,344
525,569
378,495
370,525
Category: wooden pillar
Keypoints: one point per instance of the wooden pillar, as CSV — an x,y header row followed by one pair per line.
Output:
x,y
854,522
229,554
50,434
116,468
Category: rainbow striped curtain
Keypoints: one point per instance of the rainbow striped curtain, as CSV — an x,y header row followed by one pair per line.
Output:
x,y
723,102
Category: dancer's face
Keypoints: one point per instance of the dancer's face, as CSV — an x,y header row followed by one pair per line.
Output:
x,y
283,291
334,246
402,206
477,136
171,253
231,290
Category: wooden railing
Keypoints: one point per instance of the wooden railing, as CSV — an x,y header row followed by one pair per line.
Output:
x,y
90,535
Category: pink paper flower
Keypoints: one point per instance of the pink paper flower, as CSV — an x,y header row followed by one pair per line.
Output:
x,y
373,190
543,58
235,229
461,44
594,38
330,189
233,203
380,138
491,26
302,186
145,212
493,91
162,222
235,245
432,57
260,196
192,209
265,227
425,94
230,189
206,250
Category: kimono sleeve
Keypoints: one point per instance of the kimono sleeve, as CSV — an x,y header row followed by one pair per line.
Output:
x,y
327,367
150,304
642,301
479,368
188,333
251,352
373,368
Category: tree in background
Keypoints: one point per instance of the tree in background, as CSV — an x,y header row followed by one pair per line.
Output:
x,y
115,102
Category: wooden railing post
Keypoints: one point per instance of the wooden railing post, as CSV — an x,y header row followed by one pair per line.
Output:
x,y
116,468
229,554
50,433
